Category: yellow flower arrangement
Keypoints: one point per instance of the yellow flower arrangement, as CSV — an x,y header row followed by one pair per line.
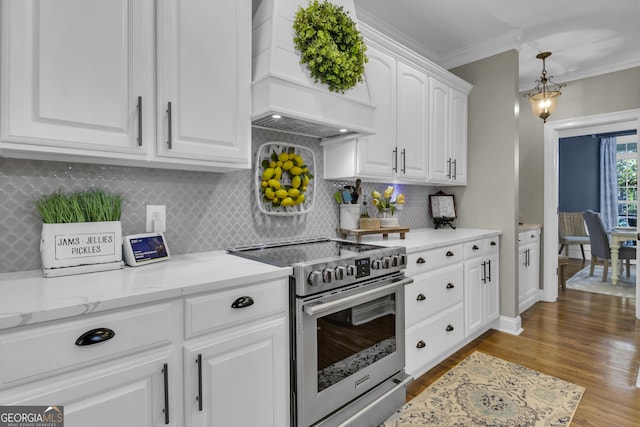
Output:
x,y
383,201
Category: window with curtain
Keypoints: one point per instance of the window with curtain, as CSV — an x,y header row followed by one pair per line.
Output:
x,y
627,169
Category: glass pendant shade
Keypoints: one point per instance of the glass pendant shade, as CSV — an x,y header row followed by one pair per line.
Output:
x,y
544,104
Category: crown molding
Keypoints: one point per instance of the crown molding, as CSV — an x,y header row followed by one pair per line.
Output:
x,y
481,50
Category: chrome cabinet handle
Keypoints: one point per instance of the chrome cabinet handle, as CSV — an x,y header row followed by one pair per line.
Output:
x,y
421,344
404,160
199,397
242,302
421,297
455,169
449,168
139,121
450,328
450,286
170,139
95,336
420,261
165,371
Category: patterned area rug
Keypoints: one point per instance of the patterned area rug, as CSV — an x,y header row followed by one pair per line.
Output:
x,y
486,391
625,287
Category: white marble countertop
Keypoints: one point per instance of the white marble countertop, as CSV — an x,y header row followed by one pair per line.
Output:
x,y
528,227
27,297
429,238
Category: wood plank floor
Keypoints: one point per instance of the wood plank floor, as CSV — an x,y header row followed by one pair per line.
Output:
x,y
592,340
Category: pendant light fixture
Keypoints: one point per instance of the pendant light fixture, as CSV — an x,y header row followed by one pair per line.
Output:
x,y
544,97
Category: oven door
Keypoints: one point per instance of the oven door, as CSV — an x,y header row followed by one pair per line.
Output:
x,y
348,343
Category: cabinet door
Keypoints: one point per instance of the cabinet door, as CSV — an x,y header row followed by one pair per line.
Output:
x,y
72,74
473,296
491,289
458,136
128,393
440,158
250,365
376,152
412,129
204,80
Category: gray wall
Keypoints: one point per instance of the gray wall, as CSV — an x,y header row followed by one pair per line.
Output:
x,y
205,211
490,200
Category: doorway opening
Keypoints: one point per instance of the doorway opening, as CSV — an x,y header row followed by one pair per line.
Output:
x,y
553,131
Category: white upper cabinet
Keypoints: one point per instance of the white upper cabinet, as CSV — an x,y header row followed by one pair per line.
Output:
x,y
90,81
376,152
205,76
448,135
398,150
72,74
420,121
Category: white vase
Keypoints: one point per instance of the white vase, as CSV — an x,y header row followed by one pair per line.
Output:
x,y
80,243
387,220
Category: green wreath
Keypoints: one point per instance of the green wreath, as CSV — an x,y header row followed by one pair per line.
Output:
x,y
330,45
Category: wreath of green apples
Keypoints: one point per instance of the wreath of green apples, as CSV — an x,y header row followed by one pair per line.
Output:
x,y
330,45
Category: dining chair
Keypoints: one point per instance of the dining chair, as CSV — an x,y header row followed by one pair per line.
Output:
x,y
600,248
571,231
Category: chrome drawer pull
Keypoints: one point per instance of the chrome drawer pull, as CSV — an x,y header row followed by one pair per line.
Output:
x,y
449,253
242,302
421,344
421,260
199,397
421,297
95,336
450,286
449,328
139,121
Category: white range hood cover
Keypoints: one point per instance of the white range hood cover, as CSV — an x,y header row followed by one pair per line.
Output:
x,y
282,86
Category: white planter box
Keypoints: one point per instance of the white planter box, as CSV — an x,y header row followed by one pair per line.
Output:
x,y
80,243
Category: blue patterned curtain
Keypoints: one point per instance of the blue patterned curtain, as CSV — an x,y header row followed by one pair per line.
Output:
x,y
608,183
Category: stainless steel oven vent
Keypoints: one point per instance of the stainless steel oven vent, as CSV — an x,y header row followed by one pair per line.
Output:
x,y
301,127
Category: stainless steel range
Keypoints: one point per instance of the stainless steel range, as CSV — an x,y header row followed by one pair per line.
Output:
x,y
347,329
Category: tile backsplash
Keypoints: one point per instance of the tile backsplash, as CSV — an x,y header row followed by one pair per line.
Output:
x,y
205,211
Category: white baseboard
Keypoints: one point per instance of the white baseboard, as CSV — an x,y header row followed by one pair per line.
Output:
x,y
510,325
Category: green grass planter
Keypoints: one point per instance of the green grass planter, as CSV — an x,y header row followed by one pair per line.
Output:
x,y
81,232
330,45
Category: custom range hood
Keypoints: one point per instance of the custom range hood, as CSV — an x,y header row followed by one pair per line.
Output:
x,y
284,96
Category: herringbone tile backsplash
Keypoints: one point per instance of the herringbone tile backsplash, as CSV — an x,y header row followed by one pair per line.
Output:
x,y
205,211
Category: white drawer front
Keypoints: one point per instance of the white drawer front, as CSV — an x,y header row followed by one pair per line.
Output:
x,y
491,246
39,351
211,312
529,236
427,341
423,261
431,293
473,249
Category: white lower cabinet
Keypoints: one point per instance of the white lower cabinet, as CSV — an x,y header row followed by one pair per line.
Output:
x,y
481,285
529,269
448,304
245,360
193,361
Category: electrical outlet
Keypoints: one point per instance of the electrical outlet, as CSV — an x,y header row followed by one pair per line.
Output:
x,y
156,218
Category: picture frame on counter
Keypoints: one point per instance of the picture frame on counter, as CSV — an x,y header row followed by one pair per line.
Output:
x,y
442,209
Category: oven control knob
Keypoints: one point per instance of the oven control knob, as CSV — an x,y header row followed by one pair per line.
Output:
x,y
315,278
396,260
326,275
386,262
340,273
351,270
376,264
403,259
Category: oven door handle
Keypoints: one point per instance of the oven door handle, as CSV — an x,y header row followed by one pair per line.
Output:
x,y
313,309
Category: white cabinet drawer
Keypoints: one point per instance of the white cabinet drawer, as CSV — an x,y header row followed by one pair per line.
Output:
x,y
473,249
427,341
433,292
423,261
491,246
45,350
207,313
530,236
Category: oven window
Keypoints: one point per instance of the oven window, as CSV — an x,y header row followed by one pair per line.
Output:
x,y
354,338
